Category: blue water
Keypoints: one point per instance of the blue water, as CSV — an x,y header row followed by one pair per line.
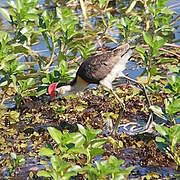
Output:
x,y
175,6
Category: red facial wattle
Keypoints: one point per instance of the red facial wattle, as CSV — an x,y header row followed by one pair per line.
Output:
x,y
51,90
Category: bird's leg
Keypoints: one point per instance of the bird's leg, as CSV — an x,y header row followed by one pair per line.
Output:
x,y
117,97
109,87
118,121
122,110
143,88
150,120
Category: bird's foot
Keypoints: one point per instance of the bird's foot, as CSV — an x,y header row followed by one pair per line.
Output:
x,y
133,128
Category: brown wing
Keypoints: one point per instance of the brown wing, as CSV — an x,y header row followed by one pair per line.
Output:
x,y
97,67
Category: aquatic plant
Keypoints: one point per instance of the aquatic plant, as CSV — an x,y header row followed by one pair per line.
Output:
x,y
169,141
66,161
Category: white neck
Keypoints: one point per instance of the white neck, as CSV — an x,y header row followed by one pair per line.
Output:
x,y
68,89
64,90
79,85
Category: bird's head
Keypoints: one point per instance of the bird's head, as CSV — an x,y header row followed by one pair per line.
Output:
x,y
55,92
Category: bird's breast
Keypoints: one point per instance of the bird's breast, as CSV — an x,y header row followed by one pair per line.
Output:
x,y
80,84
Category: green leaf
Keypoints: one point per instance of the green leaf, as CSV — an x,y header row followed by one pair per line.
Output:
x,y
123,173
154,70
173,68
161,3
157,43
55,134
82,129
19,5
45,81
44,173
123,22
18,48
46,38
161,129
140,50
10,57
158,111
56,73
78,150
31,16
74,168
102,3
115,161
20,67
174,107
91,134
176,137
96,152
98,142
30,82
14,82
131,7
41,92
21,160
46,152
78,139
142,53
148,38
5,13
12,4
72,171
160,139
58,164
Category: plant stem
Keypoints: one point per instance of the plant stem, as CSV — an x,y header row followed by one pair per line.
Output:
x,y
3,97
82,4
53,52
88,156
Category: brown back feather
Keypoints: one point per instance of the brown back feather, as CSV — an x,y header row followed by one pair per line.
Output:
x,y
97,67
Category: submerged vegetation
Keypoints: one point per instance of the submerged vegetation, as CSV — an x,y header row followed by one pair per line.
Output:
x,y
45,42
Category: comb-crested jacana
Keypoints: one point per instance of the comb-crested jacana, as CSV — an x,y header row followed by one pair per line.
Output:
x,y
102,68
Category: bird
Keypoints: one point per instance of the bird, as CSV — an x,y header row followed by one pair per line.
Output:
x,y
102,68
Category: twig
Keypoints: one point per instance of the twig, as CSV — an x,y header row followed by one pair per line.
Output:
x,y
165,50
172,45
166,44
175,20
52,54
83,9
